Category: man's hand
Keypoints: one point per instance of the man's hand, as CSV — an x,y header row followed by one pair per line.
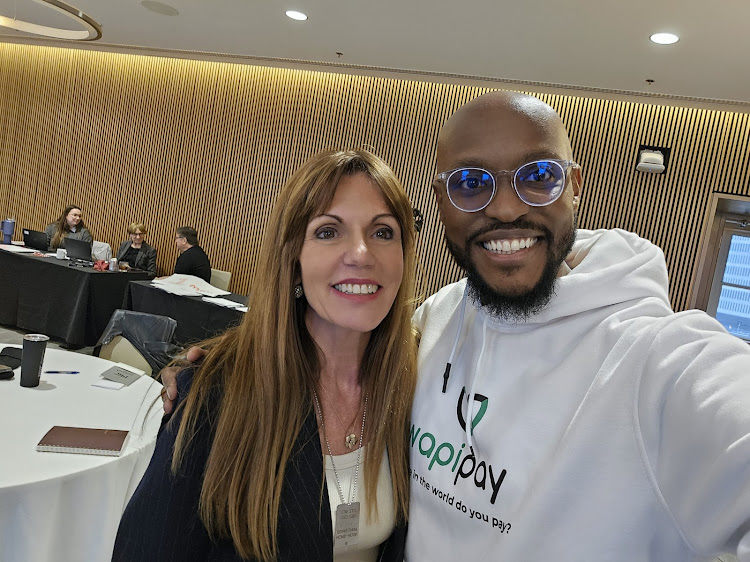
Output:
x,y
168,377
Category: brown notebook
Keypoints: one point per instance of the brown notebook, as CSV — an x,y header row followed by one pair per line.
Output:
x,y
83,440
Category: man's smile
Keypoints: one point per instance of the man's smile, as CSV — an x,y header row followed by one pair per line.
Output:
x,y
508,246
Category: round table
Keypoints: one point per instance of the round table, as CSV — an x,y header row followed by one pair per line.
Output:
x,y
64,506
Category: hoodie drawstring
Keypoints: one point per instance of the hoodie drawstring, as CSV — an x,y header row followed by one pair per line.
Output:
x,y
474,378
470,405
447,372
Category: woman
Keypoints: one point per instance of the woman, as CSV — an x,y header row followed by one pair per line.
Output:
x,y
135,253
69,225
322,370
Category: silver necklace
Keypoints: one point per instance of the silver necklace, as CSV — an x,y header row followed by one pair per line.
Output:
x,y
353,493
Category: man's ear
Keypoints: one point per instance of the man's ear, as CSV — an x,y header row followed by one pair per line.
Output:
x,y
438,193
576,181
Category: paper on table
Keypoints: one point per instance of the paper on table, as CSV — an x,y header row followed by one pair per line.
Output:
x,y
111,385
121,376
130,368
177,290
223,302
17,249
189,282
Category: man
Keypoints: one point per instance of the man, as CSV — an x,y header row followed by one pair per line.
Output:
x,y
580,418
563,411
192,259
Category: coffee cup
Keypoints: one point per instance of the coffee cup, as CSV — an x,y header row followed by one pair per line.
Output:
x,y
32,357
62,254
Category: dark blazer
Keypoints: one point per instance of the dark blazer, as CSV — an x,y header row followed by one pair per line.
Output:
x,y
145,260
161,520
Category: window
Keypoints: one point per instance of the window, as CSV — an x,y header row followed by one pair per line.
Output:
x,y
729,298
721,282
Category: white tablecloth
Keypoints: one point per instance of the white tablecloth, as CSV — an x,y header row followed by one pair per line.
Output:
x,y
60,506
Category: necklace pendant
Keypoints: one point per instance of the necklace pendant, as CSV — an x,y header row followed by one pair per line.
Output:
x,y
350,440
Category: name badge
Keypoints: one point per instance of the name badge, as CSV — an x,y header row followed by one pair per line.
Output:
x,y
118,374
346,531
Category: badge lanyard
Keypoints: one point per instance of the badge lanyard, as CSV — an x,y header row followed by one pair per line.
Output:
x,y
346,526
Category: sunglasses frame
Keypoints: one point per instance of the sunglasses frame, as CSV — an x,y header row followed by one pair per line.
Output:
x,y
564,165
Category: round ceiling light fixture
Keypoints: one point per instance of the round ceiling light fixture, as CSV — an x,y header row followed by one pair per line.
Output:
x,y
295,15
160,8
664,38
91,32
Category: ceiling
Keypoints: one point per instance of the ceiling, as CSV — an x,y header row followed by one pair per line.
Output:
x,y
598,45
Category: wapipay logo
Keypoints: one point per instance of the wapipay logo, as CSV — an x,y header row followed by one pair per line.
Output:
x,y
465,467
483,400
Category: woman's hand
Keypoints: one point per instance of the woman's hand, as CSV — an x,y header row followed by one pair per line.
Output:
x,y
168,377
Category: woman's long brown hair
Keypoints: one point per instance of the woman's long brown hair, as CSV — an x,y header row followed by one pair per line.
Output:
x,y
267,368
61,227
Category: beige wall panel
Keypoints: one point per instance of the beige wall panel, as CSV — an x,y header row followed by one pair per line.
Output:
x,y
174,142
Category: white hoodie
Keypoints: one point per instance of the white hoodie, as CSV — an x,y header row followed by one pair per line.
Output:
x,y
607,427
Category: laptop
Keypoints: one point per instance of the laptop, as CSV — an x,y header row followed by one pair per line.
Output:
x,y
78,250
35,239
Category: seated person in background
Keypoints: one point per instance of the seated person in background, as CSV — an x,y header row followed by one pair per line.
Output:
x,y
192,259
69,225
135,253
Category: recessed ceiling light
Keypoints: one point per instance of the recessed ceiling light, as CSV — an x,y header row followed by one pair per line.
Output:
x,y
295,15
664,38
160,8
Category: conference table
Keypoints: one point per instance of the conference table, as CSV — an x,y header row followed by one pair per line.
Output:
x,y
196,319
47,295
63,506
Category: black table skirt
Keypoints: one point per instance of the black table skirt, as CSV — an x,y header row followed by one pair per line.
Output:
x,y
196,319
46,295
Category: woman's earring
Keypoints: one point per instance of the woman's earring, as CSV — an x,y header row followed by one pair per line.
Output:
x,y
298,292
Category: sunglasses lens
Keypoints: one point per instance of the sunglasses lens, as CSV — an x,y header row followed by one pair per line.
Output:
x,y
540,183
470,189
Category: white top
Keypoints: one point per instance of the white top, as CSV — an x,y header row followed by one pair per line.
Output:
x,y
63,506
371,532
606,427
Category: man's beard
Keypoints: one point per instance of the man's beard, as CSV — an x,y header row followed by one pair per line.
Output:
x,y
515,307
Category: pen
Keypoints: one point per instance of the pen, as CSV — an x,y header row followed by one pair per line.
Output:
x,y
62,372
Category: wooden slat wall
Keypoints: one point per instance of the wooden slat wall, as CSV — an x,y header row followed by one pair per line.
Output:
x,y
172,142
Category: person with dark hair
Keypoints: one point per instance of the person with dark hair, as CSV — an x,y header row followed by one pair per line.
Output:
x,y
68,225
563,410
289,442
192,259
135,253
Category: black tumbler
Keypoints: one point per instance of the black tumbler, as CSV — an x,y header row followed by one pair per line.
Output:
x,y
34,346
